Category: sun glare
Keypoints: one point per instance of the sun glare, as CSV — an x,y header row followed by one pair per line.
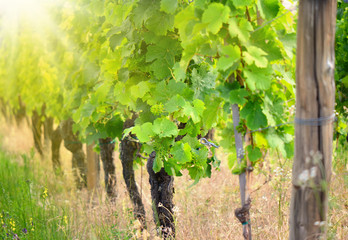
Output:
x,y
18,7
13,11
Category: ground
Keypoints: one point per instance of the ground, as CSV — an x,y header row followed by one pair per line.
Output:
x,y
203,211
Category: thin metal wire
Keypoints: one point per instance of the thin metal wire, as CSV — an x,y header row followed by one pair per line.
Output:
x,y
316,121
308,122
111,142
205,142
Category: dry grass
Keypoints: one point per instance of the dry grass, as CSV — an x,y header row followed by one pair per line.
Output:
x,y
205,211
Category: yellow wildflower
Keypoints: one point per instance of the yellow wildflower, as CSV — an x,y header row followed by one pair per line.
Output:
x,y
45,193
65,219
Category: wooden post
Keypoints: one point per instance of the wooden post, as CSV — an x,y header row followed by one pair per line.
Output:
x,y
315,99
92,168
244,178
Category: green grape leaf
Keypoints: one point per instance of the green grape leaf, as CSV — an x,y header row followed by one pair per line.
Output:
x,y
211,113
181,152
178,72
116,40
192,141
139,90
232,160
241,30
232,55
174,104
242,3
238,96
215,15
157,164
255,55
195,111
258,78
270,44
126,132
169,6
270,8
345,81
182,19
160,68
164,55
144,10
172,168
163,127
114,127
275,141
87,109
160,23
260,139
253,115
144,132
202,81
102,91
254,154
196,173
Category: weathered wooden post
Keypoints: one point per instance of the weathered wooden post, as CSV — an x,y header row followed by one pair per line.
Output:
x,y
92,168
315,99
242,213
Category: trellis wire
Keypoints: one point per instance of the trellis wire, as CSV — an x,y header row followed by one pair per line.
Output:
x,y
308,122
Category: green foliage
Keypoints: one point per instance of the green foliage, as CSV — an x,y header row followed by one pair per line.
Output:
x,y
178,65
27,211
341,71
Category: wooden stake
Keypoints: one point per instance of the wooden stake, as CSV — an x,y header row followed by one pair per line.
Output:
x,y
315,100
92,168
244,190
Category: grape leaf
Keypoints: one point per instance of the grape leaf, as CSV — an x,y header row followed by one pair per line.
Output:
x,y
202,81
215,15
163,127
157,164
242,3
253,115
232,55
160,23
254,154
195,111
144,132
144,10
241,30
115,40
270,8
174,104
258,78
181,152
114,127
211,113
169,6
255,55
179,73
237,96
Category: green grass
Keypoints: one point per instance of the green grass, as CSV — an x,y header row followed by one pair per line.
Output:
x,y
27,211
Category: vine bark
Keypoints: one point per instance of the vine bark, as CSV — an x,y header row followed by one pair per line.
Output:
x,y
128,149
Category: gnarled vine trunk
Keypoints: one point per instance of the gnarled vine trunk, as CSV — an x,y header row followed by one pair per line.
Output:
x,y
37,131
72,143
127,152
20,113
48,131
4,109
56,138
107,147
162,192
